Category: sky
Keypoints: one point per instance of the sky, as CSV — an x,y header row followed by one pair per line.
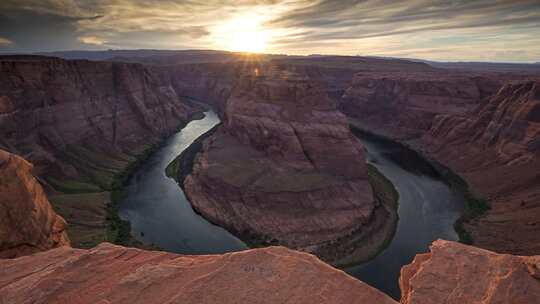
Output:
x,y
461,30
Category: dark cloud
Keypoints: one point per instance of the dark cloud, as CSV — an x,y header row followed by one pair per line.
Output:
x,y
328,14
506,28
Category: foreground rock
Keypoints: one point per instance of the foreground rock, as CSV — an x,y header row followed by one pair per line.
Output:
x,y
456,273
28,224
114,274
496,148
285,168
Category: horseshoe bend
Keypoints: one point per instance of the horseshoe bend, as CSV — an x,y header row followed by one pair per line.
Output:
x,y
146,167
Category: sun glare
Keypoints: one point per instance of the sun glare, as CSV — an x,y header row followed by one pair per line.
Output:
x,y
242,34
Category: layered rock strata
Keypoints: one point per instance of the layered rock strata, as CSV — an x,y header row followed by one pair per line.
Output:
x,y
487,134
404,104
114,274
456,273
82,120
28,224
496,148
285,168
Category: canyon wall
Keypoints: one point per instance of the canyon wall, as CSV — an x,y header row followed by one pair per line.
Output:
x,y
496,148
403,104
487,134
284,168
81,120
28,224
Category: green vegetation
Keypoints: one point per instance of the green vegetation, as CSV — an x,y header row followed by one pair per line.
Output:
x,y
90,204
86,215
474,206
384,185
369,239
119,230
172,169
72,186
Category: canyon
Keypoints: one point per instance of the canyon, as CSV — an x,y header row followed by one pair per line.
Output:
x,y
483,127
82,124
450,273
283,168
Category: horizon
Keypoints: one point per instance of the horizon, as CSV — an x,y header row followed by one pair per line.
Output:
x,y
55,53
465,31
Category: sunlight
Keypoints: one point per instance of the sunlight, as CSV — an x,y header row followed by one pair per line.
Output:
x,y
242,34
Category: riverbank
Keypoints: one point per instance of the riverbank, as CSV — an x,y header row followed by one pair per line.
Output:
x,y
362,244
91,208
371,238
474,206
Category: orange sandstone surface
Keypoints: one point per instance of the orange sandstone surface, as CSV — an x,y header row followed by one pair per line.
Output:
x,y
454,273
28,224
114,274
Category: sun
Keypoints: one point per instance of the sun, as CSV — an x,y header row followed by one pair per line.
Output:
x,y
247,41
242,34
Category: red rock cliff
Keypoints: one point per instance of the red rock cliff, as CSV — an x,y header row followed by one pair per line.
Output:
x,y
486,134
81,119
496,148
28,224
284,167
456,273
114,274
403,105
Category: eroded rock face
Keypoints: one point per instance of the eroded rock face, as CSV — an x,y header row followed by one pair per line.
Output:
x,y
284,167
508,122
456,273
488,135
81,119
496,148
28,224
403,105
114,274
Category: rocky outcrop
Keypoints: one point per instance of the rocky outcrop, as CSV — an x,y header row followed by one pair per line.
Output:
x,y
207,82
285,168
508,123
114,274
496,148
28,224
403,105
82,120
456,273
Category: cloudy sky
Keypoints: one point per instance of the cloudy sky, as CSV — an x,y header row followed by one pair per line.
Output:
x,y
491,30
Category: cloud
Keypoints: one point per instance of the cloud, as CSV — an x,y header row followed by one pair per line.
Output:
x,y
91,40
4,41
507,28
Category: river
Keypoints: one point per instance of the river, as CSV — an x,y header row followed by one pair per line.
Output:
x,y
158,210
161,215
428,208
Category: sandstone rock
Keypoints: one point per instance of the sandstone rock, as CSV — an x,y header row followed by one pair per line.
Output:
x,y
114,274
496,148
28,224
403,105
84,120
487,134
284,167
456,273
